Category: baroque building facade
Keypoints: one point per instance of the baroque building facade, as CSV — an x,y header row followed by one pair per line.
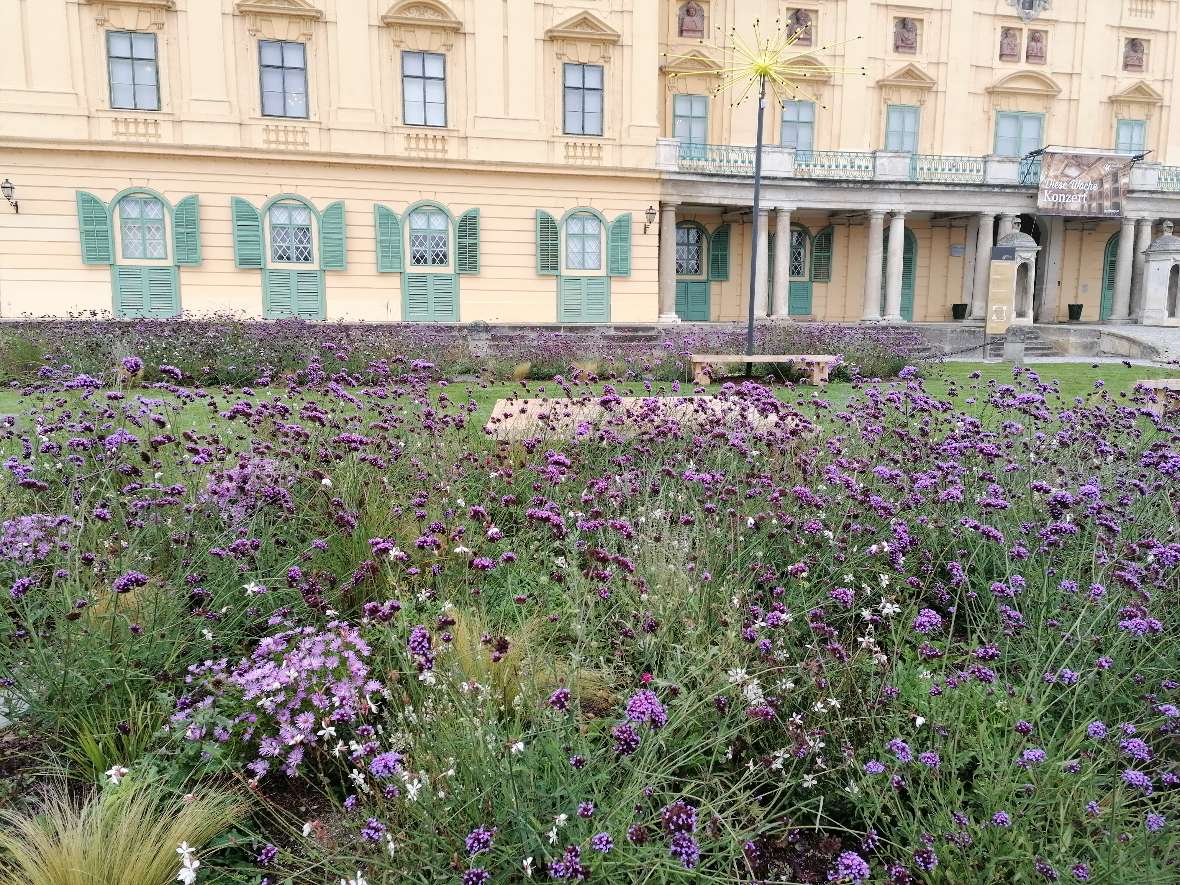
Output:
x,y
569,160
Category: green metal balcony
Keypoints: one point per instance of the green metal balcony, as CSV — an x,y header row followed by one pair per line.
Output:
x,y
717,159
839,165
947,167
1170,178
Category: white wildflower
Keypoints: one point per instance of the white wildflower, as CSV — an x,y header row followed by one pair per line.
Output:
x,y
116,773
527,863
253,589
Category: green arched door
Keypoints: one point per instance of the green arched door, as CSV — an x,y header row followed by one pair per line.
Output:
x,y
692,273
909,274
1110,261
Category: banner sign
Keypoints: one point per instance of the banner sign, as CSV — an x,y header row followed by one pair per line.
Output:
x,y
1083,184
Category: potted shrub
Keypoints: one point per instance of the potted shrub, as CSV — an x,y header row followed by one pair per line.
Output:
x,y
1075,312
959,311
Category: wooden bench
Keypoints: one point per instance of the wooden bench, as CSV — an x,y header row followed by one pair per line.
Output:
x,y
1167,394
819,366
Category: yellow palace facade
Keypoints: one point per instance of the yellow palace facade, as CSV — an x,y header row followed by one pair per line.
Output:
x,y
567,161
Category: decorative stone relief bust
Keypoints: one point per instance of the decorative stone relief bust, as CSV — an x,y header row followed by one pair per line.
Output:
x,y
1035,53
800,22
1009,44
1134,55
692,21
905,35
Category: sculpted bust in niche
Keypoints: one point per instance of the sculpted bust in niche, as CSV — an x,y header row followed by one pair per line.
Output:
x,y
692,21
1035,53
1009,44
1135,55
800,22
905,35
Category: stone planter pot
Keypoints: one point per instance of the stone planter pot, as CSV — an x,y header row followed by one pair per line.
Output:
x,y
959,311
1075,312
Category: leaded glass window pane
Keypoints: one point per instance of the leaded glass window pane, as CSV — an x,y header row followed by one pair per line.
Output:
x,y
583,243
798,125
429,238
290,234
133,70
141,228
691,118
901,128
283,75
689,251
797,266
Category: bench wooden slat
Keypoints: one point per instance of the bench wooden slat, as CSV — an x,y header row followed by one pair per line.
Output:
x,y
819,365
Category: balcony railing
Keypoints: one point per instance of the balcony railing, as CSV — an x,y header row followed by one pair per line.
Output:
x,y
718,159
948,167
844,165
779,162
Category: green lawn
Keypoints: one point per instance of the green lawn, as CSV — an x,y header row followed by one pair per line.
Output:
x,y
1074,379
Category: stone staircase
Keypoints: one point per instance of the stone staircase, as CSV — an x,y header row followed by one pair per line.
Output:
x,y
1034,345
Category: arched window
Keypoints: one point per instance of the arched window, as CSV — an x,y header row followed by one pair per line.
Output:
x,y
291,240
142,228
430,237
583,242
690,250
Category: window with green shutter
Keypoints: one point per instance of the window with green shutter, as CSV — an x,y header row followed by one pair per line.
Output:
x,y
430,237
468,242
548,245
94,230
901,128
430,298
141,228
291,233
247,228
583,300
389,239
719,254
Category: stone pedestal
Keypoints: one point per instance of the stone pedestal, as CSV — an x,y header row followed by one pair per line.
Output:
x,y
1161,281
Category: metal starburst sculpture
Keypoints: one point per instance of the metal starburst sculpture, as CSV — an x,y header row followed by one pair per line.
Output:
x,y
770,62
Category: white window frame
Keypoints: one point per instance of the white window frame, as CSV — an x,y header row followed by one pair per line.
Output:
x,y
416,89
578,93
137,65
798,117
284,70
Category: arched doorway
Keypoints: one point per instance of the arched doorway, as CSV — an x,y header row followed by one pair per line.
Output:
x,y
1023,301
692,272
909,270
1110,263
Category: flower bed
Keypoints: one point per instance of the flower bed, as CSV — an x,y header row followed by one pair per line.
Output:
x,y
906,639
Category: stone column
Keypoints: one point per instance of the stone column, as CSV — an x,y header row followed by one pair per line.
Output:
x,y
782,264
1051,289
1007,223
668,263
893,268
1142,241
763,246
875,235
970,237
983,266
1121,311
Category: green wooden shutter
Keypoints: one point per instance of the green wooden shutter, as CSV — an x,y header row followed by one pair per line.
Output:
x,y
186,233
548,245
619,246
127,285
1110,264
389,239
94,230
333,238
308,293
719,254
821,257
278,294
247,225
771,245
570,300
162,291
416,298
909,276
468,240
444,298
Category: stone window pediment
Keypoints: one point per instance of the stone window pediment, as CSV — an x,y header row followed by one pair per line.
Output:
x,y
583,38
692,64
427,25
1025,92
280,19
907,85
1136,102
132,15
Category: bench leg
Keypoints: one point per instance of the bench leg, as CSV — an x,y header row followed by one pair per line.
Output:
x,y
700,374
